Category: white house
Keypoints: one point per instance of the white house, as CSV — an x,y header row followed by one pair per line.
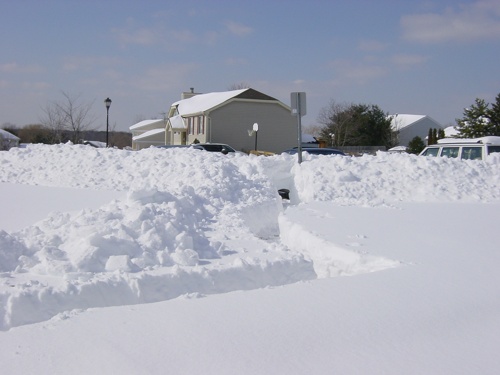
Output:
x,y
229,116
8,140
411,126
222,117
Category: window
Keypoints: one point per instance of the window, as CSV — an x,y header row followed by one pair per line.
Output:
x,y
431,152
190,125
201,125
451,152
492,149
472,153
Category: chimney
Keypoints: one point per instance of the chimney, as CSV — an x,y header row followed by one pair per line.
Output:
x,y
190,94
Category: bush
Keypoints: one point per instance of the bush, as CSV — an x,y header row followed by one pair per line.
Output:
x,y
416,145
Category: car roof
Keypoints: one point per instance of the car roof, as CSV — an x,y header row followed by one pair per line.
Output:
x,y
493,140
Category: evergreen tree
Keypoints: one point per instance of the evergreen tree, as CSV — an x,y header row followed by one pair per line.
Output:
x,y
430,137
373,126
416,145
356,125
494,116
434,136
475,122
441,134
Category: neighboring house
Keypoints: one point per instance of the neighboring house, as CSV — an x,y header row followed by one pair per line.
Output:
x,y
410,126
148,133
8,140
228,117
450,132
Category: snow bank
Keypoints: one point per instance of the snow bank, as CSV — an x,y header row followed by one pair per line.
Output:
x,y
198,223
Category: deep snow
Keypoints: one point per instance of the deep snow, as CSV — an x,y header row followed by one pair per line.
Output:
x,y
87,228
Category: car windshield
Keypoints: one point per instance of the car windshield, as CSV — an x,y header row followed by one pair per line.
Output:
x,y
431,151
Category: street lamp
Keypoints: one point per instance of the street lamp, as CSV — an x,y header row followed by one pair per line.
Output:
x,y
256,130
107,101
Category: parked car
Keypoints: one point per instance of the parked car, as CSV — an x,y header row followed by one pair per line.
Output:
x,y
464,148
173,146
211,147
316,151
214,147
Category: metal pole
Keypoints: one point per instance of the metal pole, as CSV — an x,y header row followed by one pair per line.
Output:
x,y
107,125
299,127
256,140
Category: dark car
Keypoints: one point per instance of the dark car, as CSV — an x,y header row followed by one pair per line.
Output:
x,y
211,147
214,147
173,146
316,151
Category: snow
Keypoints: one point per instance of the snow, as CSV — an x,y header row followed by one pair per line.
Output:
x,y
400,121
147,124
149,133
203,102
180,261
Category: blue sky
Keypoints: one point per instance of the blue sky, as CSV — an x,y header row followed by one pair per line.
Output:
x,y
416,57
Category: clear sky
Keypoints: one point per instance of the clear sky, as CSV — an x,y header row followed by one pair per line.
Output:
x,y
414,57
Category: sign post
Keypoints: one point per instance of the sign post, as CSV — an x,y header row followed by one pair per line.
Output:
x,y
298,101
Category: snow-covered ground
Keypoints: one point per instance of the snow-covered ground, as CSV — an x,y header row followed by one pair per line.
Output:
x,y
184,262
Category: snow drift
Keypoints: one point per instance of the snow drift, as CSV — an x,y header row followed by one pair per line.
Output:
x,y
192,222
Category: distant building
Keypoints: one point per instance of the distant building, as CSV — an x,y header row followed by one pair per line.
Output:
x,y
8,140
222,117
411,126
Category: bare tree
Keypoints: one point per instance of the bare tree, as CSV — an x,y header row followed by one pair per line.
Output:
x,y
69,115
239,86
337,121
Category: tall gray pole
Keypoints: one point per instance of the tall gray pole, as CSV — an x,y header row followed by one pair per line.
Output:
x,y
299,130
107,125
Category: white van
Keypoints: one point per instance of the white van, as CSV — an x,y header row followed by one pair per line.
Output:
x,y
464,148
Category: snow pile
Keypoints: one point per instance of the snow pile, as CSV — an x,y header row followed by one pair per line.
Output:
x,y
194,222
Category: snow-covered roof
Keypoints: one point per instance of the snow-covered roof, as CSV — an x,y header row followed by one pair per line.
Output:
x,y
204,102
147,124
400,121
6,135
492,140
398,149
176,122
148,134
450,132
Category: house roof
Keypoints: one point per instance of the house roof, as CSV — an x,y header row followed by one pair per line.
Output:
x,y
148,134
450,132
177,122
400,121
204,102
5,134
147,124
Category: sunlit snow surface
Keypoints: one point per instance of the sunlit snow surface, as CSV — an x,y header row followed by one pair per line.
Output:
x,y
86,228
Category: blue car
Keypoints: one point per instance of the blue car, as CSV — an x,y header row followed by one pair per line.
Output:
x,y
316,151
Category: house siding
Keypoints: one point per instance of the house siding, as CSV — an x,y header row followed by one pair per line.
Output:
x,y
419,128
230,124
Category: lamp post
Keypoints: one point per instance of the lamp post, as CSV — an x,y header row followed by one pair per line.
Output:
x,y
107,101
256,130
